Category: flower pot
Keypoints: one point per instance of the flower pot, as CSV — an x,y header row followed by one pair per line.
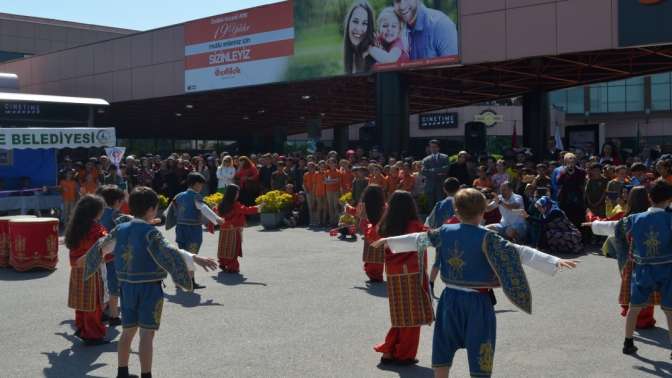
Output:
x,y
271,221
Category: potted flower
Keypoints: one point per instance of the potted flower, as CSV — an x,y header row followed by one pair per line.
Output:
x,y
163,204
272,207
213,200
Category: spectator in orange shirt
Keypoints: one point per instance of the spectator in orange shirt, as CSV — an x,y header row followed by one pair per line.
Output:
x,y
483,181
68,187
376,176
321,193
332,182
406,178
90,185
393,179
346,176
309,189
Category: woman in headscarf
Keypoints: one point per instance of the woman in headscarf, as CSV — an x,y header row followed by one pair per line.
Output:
x,y
558,233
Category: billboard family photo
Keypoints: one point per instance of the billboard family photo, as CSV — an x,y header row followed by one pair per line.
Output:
x,y
309,39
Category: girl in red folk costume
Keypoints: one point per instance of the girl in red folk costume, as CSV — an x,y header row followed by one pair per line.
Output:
x,y
231,234
407,284
373,200
86,297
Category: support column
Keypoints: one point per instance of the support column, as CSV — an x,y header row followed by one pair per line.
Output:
x,y
341,139
279,139
392,112
536,118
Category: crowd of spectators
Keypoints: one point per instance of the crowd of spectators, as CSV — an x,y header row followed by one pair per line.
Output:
x,y
535,200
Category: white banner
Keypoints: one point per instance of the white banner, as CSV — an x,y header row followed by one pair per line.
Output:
x,y
115,154
23,138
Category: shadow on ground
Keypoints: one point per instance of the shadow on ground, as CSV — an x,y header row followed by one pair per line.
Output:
x,y
78,360
234,279
12,275
413,371
189,299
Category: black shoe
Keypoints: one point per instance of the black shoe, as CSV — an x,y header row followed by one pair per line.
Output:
x,y
128,376
105,318
198,286
78,333
629,347
410,361
95,342
386,361
115,322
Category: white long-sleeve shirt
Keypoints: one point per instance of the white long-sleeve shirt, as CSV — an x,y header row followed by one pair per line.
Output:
x,y
225,176
207,212
529,256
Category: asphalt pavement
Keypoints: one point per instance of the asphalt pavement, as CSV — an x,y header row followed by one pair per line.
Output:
x,y
301,308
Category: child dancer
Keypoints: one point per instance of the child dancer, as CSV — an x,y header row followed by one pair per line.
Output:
x,y
113,197
86,296
407,295
472,261
390,47
143,258
189,207
234,214
444,212
373,201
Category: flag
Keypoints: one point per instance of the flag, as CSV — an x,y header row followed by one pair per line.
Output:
x,y
514,136
115,155
558,139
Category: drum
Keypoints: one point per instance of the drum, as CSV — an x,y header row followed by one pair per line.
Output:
x,y
229,241
408,296
5,239
33,243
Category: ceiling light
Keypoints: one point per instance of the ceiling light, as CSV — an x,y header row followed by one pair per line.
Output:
x,y
178,114
261,111
189,106
101,111
305,97
323,114
246,118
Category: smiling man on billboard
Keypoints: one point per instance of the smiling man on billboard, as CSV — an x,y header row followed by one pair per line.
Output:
x,y
431,33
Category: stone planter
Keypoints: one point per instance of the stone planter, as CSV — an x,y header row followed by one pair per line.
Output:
x,y
271,221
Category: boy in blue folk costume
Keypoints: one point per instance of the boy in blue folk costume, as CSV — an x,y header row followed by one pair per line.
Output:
x,y
113,197
647,238
444,211
473,261
187,211
143,258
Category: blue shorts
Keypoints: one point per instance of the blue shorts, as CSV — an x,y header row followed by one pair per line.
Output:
x,y
649,278
112,282
141,305
465,320
189,237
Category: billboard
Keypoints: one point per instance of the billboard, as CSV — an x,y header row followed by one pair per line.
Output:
x,y
309,39
644,22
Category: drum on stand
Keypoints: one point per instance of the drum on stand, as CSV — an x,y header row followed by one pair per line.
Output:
x,y
33,243
5,239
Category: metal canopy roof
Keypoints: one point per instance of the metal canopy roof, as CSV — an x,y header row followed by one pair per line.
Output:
x,y
343,101
26,97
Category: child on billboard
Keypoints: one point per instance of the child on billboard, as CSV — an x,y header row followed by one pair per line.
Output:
x,y
391,44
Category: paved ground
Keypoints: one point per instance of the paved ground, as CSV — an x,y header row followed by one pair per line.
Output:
x,y
301,309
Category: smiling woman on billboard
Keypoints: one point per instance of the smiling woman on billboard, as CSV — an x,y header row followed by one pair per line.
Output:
x,y
358,38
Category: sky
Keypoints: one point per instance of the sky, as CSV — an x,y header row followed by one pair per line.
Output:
x,y
128,14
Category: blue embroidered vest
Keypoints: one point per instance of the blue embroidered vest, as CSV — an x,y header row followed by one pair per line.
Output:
x,y
651,236
444,210
132,260
107,220
187,213
461,256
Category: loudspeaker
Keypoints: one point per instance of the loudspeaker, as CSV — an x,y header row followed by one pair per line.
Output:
x,y
475,137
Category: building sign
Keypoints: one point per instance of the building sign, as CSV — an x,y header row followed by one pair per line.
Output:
x,y
438,121
309,39
20,138
489,117
644,22
19,109
236,49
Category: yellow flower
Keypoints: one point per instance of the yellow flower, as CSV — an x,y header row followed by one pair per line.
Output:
x,y
274,201
213,200
346,198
